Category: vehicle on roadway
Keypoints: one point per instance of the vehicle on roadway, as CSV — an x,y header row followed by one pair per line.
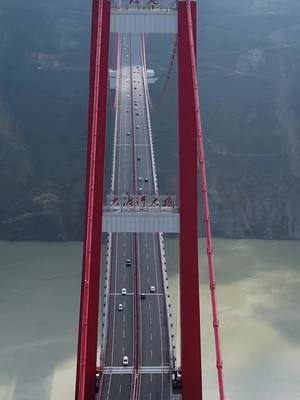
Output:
x,y
97,383
124,291
140,179
128,262
152,289
140,190
143,296
120,307
138,126
138,158
125,360
128,133
137,114
146,180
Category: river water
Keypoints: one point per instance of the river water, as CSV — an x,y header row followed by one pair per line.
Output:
x,y
259,301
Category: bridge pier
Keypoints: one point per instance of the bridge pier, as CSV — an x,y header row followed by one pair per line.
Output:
x,y
189,276
89,301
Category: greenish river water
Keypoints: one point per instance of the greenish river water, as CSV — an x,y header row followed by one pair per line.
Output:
x,y
259,302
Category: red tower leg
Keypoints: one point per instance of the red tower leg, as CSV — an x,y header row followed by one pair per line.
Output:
x,y
189,276
89,302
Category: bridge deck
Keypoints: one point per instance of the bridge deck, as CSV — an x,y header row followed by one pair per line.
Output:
x,y
139,331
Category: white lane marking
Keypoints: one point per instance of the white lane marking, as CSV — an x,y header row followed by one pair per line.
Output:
x,y
151,353
147,256
150,320
129,145
123,333
147,267
124,277
148,279
124,319
158,301
124,244
146,245
123,351
150,377
120,389
162,388
130,294
151,336
124,253
114,303
108,391
149,305
150,395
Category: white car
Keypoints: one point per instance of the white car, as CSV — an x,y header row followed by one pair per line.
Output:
x,y
152,289
140,190
138,126
120,307
124,291
125,360
128,133
140,179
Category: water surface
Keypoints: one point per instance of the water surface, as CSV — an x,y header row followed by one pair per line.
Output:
x,y
259,298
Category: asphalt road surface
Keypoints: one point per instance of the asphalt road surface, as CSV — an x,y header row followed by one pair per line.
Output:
x,y
148,350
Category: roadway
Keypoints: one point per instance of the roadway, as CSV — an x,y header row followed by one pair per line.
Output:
x,y
140,330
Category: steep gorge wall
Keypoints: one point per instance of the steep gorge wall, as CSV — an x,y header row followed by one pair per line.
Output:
x,y
249,68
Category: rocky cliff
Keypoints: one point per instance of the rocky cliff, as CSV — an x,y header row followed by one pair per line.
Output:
x,y
249,64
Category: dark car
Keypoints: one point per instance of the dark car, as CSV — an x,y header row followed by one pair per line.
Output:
x,y
128,263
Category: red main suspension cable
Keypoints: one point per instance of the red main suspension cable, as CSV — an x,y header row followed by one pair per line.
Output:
x,y
167,78
209,241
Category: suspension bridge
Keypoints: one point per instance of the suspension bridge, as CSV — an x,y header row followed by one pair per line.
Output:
x,y
126,342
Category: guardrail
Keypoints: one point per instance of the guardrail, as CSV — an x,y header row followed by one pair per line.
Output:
x,y
171,334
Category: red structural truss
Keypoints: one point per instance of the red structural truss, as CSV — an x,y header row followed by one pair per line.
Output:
x,y
89,303
189,274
